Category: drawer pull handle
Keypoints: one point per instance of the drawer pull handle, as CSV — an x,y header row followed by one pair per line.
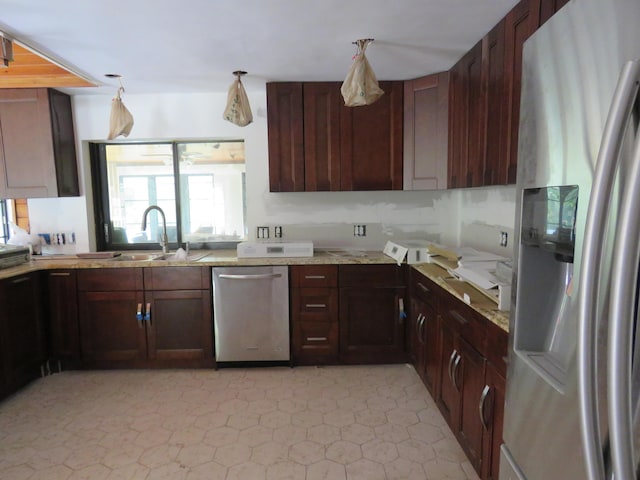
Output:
x,y
316,339
423,288
483,399
147,315
314,277
139,315
456,364
454,353
316,305
60,274
461,320
20,280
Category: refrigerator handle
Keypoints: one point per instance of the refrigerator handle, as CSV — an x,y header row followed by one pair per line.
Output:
x,y
621,324
612,139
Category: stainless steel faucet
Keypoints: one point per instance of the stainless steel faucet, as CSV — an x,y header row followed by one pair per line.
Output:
x,y
164,240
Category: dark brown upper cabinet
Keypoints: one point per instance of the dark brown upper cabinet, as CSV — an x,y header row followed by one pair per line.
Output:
x,y
426,113
318,144
37,144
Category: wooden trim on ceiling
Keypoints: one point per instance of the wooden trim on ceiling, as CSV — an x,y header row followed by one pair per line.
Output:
x,y
30,70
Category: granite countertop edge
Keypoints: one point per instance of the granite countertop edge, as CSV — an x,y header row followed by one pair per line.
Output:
x,y
224,258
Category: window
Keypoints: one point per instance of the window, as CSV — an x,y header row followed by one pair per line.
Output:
x,y
5,212
200,187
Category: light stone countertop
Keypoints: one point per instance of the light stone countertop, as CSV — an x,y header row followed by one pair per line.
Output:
x,y
224,258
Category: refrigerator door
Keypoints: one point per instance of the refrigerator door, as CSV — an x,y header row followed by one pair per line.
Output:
x,y
570,71
622,314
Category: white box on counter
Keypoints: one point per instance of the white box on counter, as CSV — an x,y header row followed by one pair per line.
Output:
x,y
275,249
415,251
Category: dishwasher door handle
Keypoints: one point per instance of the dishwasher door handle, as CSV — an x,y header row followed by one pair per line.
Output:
x,y
250,277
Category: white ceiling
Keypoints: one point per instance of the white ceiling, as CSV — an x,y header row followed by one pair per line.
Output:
x,y
161,46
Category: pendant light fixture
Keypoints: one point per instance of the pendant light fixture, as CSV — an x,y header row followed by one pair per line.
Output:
x,y
360,87
121,120
238,110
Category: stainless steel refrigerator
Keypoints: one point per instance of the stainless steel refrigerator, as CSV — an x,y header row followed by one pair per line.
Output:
x,y
572,384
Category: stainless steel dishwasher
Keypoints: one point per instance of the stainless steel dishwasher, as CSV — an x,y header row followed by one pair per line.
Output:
x,y
251,313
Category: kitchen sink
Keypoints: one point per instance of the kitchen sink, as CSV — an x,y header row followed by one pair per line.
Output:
x,y
147,257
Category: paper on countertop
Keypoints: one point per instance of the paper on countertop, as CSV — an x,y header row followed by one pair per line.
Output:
x,y
395,251
468,254
485,279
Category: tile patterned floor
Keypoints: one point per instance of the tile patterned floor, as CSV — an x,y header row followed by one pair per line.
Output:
x,y
333,423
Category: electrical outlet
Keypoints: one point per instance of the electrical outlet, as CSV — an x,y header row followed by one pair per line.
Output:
x,y
262,232
359,230
503,239
277,232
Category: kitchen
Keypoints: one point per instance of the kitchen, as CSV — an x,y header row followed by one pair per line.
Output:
x,y
460,217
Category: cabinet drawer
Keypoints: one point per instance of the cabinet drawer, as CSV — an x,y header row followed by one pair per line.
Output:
x,y
316,337
497,341
315,304
424,289
110,279
177,278
314,276
469,324
385,275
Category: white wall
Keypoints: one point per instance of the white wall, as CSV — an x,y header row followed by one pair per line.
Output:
x,y
451,217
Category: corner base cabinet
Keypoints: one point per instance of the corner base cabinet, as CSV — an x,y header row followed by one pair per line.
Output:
x,y
460,356
146,317
372,323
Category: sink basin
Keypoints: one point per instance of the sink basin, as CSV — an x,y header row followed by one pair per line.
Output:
x,y
147,257
137,257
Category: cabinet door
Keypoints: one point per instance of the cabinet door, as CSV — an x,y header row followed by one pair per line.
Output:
x,y
27,169
492,412
448,397
111,334
286,137
371,329
414,328
23,330
520,23
64,144
426,112
496,144
549,7
431,348
179,326
470,373
322,106
466,163
64,335
371,142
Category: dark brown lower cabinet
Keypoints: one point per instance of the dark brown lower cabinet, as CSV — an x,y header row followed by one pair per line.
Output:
x,y
130,317
22,342
424,330
470,379
179,326
372,298
62,318
492,413
469,370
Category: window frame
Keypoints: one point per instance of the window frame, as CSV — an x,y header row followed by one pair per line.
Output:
x,y
101,202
